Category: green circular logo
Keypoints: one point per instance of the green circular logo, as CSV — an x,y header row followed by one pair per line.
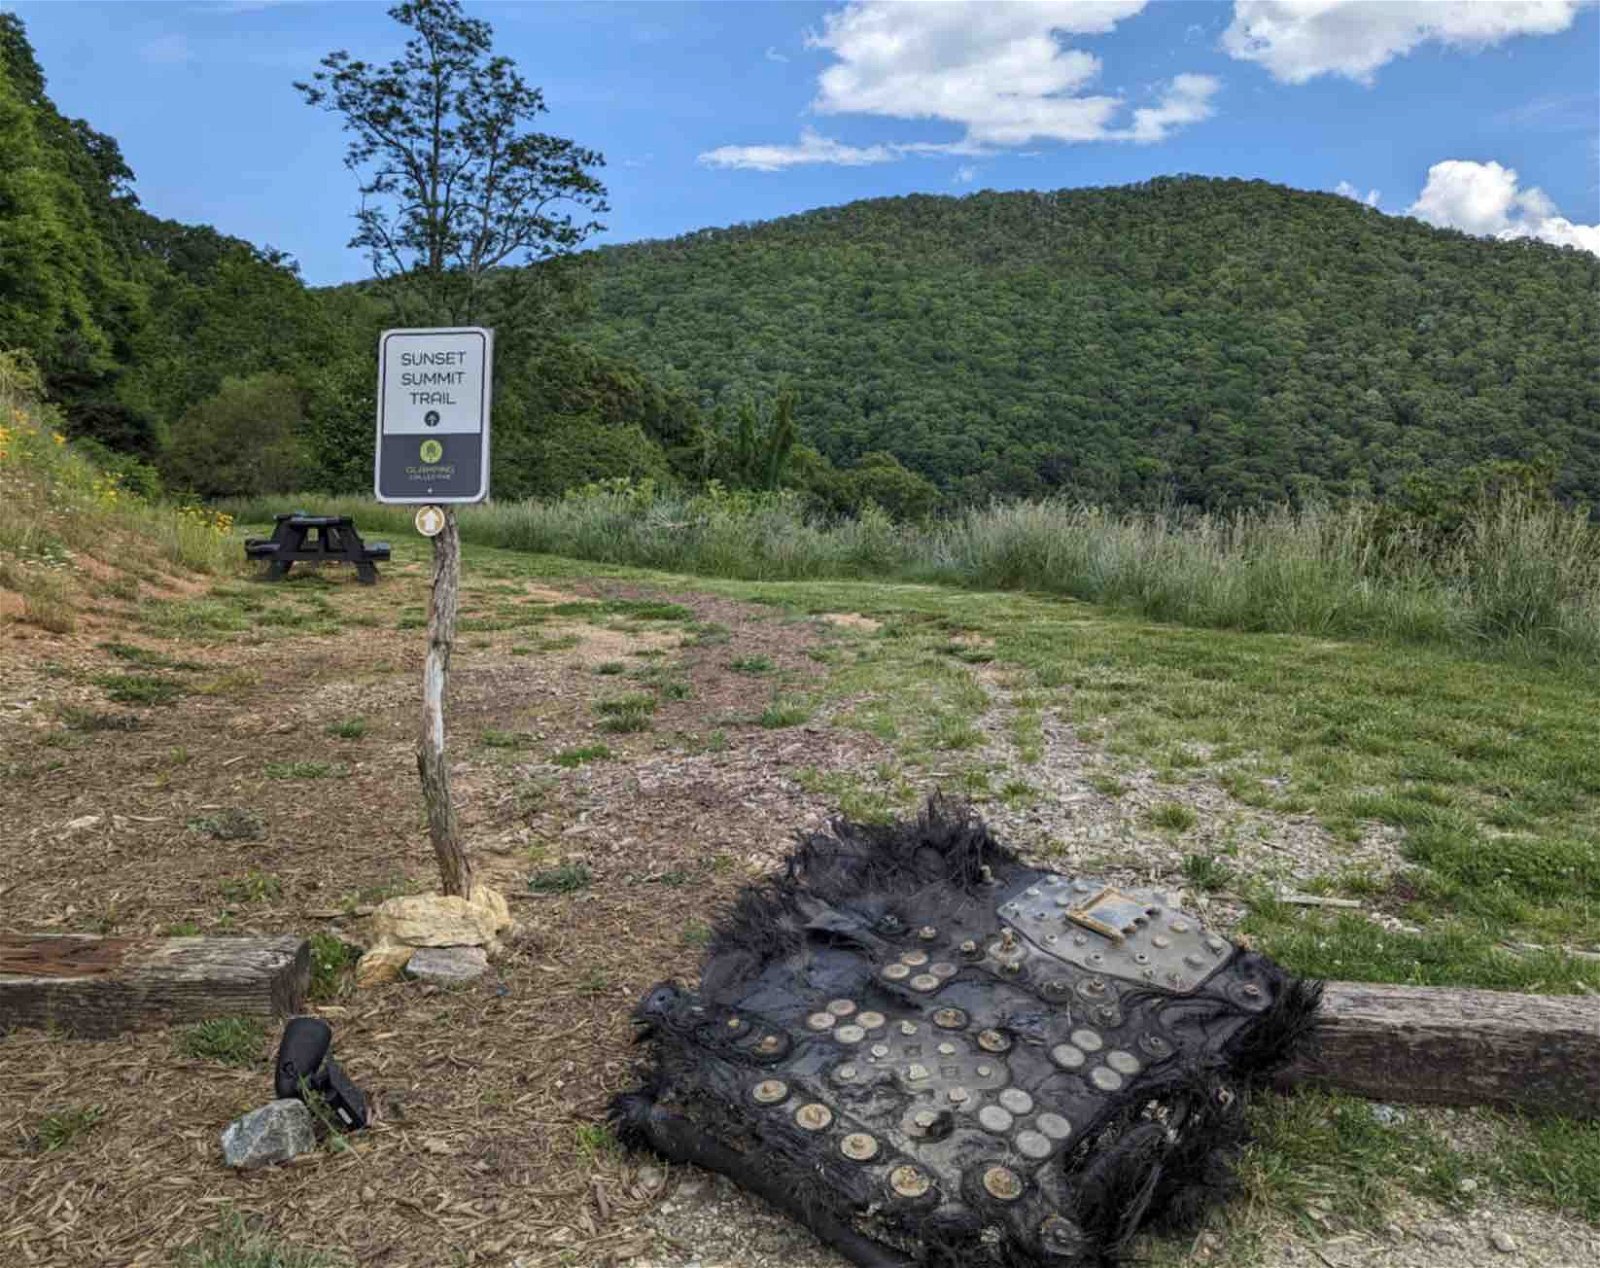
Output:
x,y
431,451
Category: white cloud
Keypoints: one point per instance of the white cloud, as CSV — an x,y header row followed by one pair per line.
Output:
x,y
774,56
965,175
1346,190
1297,40
1187,99
999,71
1485,198
811,148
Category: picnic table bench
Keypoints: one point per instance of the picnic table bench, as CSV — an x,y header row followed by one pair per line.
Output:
x,y
299,538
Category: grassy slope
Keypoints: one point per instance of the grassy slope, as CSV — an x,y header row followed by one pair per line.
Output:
x,y
1355,729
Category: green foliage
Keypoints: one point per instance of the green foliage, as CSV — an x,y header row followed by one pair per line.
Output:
x,y
243,1244
331,958
1221,342
139,688
567,878
581,755
60,1128
230,1040
245,440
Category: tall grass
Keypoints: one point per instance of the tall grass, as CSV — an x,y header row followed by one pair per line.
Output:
x,y
58,507
1522,576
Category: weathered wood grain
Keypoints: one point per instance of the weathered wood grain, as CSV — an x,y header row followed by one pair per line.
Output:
x,y
455,867
1443,1046
125,985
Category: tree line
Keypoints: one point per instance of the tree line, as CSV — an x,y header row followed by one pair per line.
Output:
x,y
1208,342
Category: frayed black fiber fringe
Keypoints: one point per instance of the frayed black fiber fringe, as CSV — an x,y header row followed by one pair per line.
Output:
x,y
1150,1151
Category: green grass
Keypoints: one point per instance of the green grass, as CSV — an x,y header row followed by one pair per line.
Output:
x,y
1522,578
232,823
348,729
1171,816
240,1243
253,887
303,769
147,657
75,718
230,1040
505,739
61,1127
567,878
582,754
784,713
332,958
752,664
626,713
139,688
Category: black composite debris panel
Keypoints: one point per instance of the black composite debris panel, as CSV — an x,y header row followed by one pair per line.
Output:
x,y
934,1054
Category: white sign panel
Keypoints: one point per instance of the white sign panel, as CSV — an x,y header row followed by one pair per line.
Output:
x,y
433,415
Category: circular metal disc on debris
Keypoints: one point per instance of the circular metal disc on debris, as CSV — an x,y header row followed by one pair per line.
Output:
x,y
1067,1057
1054,1126
1034,1145
944,970
1122,1062
994,1119
771,1092
924,982
916,959
870,1020
842,1007
1105,1078
1016,1100
950,1019
813,1117
994,1041
859,1147
821,1021
1002,1184
849,1034
909,1182
1088,1040
897,972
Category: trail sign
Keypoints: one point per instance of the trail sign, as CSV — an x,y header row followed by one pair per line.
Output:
x,y
433,415
430,521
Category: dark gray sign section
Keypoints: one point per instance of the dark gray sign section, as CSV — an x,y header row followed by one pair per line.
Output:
x,y
433,415
405,474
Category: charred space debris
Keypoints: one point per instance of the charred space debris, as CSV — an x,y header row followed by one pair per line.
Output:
x,y
932,1054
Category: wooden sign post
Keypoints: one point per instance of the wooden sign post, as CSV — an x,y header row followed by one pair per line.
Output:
x,y
433,449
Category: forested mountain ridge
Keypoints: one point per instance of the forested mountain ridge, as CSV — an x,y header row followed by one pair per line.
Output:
x,y
1223,341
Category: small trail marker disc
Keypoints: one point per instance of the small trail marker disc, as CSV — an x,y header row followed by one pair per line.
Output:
x,y
430,521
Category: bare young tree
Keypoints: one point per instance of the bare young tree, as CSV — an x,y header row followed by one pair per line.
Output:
x,y
456,186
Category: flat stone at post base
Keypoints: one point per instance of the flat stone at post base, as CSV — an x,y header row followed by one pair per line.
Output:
x,y
277,1132
448,966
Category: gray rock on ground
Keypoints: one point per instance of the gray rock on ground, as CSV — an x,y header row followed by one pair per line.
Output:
x,y
448,966
277,1132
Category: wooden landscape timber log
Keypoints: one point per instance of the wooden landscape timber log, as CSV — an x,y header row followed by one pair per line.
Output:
x,y
1443,1046
95,987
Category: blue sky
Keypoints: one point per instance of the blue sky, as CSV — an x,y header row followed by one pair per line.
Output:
x,y
1480,115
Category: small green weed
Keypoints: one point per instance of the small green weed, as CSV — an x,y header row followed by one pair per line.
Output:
x,y
782,713
348,729
626,713
1171,816
571,757
697,934
138,688
252,887
303,770
567,878
752,664
241,1244
77,719
230,1040
232,823
148,657
331,957
61,1127
505,739
610,668
1207,872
